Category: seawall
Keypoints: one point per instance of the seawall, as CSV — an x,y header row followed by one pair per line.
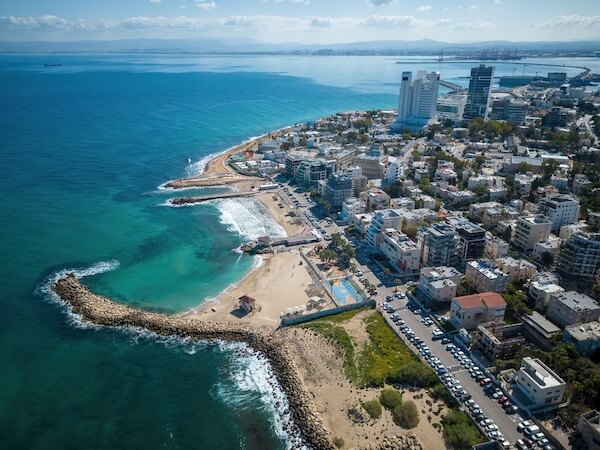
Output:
x,y
103,311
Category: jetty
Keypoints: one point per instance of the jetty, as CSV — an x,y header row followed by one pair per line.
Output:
x,y
204,198
100,310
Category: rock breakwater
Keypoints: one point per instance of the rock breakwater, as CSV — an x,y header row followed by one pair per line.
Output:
x,y
103,311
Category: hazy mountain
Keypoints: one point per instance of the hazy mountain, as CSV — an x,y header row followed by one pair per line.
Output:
x,y
202,45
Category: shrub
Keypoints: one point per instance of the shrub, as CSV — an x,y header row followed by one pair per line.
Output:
x,y
390,398
338,442
415,373
459,432
406,415
373,408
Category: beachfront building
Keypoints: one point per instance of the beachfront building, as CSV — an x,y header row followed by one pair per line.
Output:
x,y
541,386
485,277
438,244
439,284
561,209
580,257
310,172
478,94
402,253
568,308
417,101
530,230
337,189
383,220
469,311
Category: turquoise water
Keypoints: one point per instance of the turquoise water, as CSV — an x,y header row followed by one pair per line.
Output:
x,y
83,150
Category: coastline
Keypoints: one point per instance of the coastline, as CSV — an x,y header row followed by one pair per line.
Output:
x,y
100,310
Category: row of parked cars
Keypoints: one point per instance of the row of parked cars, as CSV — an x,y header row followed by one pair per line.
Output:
x,y
533,437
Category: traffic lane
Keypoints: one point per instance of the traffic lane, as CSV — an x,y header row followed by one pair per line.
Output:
x,y
489,406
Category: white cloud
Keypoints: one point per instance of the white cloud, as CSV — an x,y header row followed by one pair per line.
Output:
x,y
477,25
321,22
380,2
570,21
156,2
474,7
400,22
497,2
424,8
206,6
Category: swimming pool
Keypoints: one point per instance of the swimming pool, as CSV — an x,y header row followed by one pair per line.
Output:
x,y
344,292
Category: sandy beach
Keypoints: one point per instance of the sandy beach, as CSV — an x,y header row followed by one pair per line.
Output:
x,y
321,370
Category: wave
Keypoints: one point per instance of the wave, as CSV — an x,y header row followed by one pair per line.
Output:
x,y
250,378
45,288
248,218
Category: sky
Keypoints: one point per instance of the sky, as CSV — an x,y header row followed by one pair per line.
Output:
x,y
301,21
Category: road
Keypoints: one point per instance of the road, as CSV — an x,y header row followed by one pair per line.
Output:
x,y
585,121
506,424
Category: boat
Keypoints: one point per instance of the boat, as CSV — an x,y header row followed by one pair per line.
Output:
x,y
52,65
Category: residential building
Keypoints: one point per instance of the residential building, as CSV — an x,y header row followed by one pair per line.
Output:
x,y
438,243
581,183
550,246
383,220
292,162
395,170
556,117
495,247
451,107
310,172
480,182
477,210
478,95
372,165
402,203
589,428
337,189
439,284
485,277
469,311
500,341
542,290
471,241
580,257
402,253
539,330
560,182
530,230
585,337
460,198
362,222
375,199
561,209
511,110
568,308
417,100
542,388
518,270
351,207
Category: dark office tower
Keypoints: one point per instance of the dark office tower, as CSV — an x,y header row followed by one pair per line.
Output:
x,y
480,88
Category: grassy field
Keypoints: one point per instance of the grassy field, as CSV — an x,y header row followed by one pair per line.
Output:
x,y
379,361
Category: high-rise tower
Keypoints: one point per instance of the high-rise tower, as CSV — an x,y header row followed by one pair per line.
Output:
x,y
480,89
418,100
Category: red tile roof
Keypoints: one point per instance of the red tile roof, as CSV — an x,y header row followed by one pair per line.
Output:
x,y
489,299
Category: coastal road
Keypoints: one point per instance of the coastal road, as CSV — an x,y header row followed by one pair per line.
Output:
x,y
507,424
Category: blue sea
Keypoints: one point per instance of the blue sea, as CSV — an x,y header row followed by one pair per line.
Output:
x,y
84,149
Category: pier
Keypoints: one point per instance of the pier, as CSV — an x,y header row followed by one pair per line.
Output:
x,y
205,198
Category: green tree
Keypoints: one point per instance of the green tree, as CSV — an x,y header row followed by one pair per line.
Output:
x,y
390,398
327,255
406,414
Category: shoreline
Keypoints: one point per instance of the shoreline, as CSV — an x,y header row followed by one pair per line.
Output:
x,y
100,310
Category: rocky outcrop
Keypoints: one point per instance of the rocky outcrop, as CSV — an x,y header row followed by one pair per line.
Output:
x,y
405,442
103,311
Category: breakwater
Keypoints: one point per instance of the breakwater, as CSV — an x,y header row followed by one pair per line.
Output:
x,y
103,311
204,198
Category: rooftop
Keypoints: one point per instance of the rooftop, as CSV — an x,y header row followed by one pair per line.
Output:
x,y
584,331
487,299
577,301
540,373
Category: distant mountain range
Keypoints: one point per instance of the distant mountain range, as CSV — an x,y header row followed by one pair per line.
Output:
x,y
238,46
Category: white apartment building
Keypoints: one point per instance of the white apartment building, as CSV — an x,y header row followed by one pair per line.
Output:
x,y
383,220
568,308
561,209
495,247
518,270
402,253
485,277
451,107
351,207
542,387
542,290
394,172
417,101
530,230
439,284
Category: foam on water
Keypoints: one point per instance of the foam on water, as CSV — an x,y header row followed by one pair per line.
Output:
x,y
46,291
250,378
248,218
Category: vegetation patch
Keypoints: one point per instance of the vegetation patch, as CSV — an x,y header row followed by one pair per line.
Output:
x,y
406,415
390,398
373,408
459,432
